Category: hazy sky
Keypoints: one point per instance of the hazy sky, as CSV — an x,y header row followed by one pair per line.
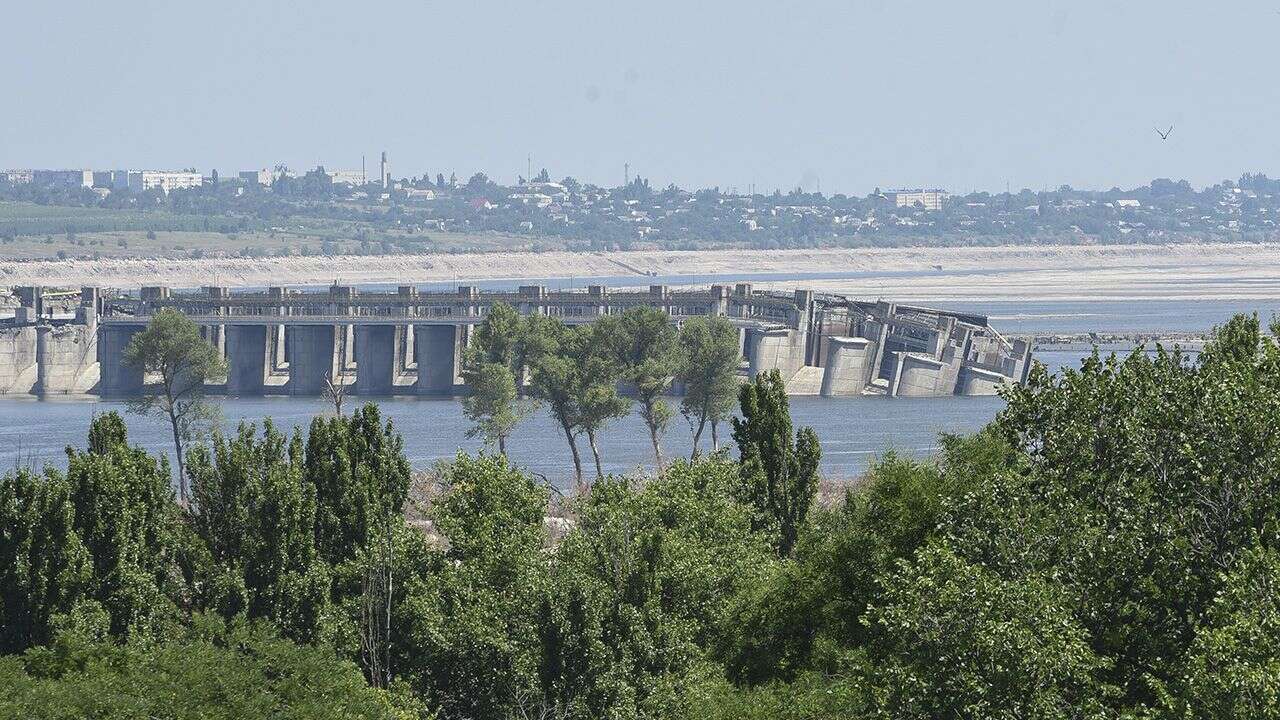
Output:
x,y
853,95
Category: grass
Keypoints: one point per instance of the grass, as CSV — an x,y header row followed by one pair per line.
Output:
x,y
45,232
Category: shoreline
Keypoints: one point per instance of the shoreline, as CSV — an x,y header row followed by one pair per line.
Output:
x,y
1217,271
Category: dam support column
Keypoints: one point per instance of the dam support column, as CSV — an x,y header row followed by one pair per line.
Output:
x,y
312,358
115,378
67,356
248,359
848,366
377,358
780,349
436,350
17,359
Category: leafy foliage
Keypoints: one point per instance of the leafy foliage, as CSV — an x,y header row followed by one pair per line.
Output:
x,y
171,347
779,475
209,671
710,354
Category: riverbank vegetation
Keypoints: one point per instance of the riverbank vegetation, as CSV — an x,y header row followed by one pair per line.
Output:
x,y
1108,547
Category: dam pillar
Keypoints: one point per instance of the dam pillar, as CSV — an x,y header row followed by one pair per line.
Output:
x,y
67,356
437,353
115,378
780,349
312,358
248,358
848,366
377,358
17,359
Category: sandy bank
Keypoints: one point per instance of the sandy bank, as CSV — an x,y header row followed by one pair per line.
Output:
x,y
1210,271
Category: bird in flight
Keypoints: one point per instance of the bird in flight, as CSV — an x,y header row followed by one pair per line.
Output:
x,y
1164,135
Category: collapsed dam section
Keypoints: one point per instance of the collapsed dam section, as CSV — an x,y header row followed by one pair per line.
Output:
x,y
293,342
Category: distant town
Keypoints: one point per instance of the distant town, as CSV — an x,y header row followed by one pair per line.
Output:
x,y
371,211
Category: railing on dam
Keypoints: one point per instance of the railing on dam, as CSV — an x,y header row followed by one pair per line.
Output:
x,y
467,306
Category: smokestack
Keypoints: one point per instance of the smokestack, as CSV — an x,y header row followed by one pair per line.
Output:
x,y
386,173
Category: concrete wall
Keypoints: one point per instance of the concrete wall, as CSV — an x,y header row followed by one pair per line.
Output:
x,y
17,360
977,381
248,359
67,358
378,359
780,349
116,379
848,364
437,351
920,376
313,357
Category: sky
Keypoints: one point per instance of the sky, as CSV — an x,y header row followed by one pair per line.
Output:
x,y
838,96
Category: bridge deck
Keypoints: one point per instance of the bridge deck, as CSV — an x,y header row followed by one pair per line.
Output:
x,y
113,320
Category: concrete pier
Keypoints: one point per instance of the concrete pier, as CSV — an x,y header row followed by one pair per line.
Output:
x,y
378,358
437,351
848,366
248,359
67,357
18,367
117,379
313,358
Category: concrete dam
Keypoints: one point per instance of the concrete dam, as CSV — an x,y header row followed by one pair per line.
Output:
x,y
292,342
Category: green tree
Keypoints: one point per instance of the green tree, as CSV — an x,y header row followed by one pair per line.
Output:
x,y
779,474
639,589
594,376
492,367
470,639
45,570
1232,669
208,672
644,343
172,348
959,641
807,614
555,378
360,476
493,407
498,338
257,517
125,515
709,352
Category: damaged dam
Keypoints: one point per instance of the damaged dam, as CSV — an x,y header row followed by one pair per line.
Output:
x,y
291,342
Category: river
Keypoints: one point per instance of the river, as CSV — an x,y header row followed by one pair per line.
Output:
x,y
853,431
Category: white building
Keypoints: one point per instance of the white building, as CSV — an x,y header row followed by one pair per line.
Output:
x,y
257,177
354,178
930,199
163,180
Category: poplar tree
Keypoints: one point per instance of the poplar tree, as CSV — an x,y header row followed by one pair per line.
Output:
x,y
779,475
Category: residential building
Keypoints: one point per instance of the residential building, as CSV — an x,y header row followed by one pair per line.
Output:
x,y
930,199
164,180
257,177
62,178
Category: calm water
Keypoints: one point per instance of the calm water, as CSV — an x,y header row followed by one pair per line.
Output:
x,y
852,430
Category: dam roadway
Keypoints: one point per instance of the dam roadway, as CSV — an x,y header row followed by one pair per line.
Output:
x,y
293,342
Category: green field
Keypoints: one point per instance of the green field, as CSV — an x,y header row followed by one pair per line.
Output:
x,y
30,232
